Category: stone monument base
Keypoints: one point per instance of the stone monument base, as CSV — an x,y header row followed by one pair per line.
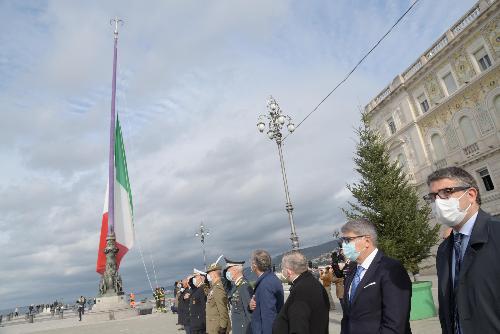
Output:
x,y
111,308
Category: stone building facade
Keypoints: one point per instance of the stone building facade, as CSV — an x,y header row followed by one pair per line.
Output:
x,y
444,110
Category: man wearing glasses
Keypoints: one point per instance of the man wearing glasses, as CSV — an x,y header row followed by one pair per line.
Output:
x,y
377,290
467,260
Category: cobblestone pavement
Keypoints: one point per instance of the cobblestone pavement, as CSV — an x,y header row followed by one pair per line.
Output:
x,y
161,323
165,323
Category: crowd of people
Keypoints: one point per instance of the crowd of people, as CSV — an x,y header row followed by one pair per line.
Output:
x,y
373,289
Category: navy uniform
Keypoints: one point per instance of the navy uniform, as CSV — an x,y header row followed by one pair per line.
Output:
x,y
239,298
197,303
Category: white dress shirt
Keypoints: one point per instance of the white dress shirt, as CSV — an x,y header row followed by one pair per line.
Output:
x,y
366,264
466,230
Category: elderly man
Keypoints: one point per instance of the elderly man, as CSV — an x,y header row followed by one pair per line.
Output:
x,y
269,296
306,308
239,297
377,288
467,260
197,302
216,309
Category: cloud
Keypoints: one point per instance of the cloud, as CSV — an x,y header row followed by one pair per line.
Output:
x,y
192,79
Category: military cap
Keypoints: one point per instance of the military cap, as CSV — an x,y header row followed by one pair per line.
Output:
x,y
199,272
231,263
213,267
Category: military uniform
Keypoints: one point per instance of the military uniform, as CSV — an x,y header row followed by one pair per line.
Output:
x,y
241,316
197,303
217,314
239,298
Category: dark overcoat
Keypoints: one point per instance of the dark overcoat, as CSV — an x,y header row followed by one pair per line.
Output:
x,y
478,293
306,308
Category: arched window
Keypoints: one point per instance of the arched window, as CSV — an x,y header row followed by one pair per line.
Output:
x,y
402,160
467,130
496,103
438,146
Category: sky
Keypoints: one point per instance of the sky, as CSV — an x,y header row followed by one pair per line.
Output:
x,y
193,77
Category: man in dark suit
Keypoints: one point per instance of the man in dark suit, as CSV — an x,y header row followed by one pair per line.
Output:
x,y
306,308
467,260
377,288
269,296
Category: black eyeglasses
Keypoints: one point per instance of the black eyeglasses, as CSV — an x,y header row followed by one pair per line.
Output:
x,y
444,193
349,239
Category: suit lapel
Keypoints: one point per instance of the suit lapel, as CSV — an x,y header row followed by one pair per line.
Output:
x,y
478,237
445,264
368,275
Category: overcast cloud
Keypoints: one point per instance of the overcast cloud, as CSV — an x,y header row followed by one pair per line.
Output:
x,y
193,78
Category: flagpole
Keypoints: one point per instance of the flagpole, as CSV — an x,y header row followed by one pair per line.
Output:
x,y
111,180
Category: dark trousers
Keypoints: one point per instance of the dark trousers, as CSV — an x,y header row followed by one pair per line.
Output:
x,y
80,312
187,329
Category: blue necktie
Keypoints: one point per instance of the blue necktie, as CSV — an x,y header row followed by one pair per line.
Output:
x,y
355,282
457,248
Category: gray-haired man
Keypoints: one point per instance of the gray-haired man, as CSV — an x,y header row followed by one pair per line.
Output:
x,y
306,308
377,289
467,260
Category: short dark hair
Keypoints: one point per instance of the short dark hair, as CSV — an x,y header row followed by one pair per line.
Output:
x,y
457,174
262,259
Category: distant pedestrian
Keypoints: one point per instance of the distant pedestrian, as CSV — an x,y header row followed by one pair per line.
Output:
x,y
326,277
80,303
16,312
268,297
306,308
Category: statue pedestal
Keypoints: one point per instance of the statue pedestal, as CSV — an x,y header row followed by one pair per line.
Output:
x,y
111,308
107,303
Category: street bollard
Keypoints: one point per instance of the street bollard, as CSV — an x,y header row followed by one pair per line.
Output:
x,y
30,318
61,313
111,315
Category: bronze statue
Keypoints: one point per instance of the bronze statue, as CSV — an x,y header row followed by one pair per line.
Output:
x,y
111,281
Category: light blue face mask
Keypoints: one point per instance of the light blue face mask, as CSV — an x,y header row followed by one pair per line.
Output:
x,y
229,276
350,251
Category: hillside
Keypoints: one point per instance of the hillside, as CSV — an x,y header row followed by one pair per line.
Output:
x,y
319,255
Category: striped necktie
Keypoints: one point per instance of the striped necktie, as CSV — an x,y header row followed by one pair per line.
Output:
x,y
457,248
355,282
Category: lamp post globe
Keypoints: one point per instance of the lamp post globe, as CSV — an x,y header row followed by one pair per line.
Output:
x,y
276,120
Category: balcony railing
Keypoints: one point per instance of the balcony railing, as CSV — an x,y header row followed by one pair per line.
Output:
x,y
440,164
471,149
466,19
439,45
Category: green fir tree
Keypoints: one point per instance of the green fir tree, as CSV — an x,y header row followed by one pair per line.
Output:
x,y
384,197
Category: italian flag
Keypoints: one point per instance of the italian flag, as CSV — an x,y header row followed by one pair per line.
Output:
x,y
124,213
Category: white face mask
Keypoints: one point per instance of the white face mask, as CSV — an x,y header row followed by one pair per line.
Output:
x,y
448,212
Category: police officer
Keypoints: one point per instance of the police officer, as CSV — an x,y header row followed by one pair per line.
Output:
x,y
239,297
217,306
198,302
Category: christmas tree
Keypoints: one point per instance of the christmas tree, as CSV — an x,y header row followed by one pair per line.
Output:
x,y
385,198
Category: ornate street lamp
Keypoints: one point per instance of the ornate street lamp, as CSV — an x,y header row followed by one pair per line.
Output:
x,y
275,121
202,233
